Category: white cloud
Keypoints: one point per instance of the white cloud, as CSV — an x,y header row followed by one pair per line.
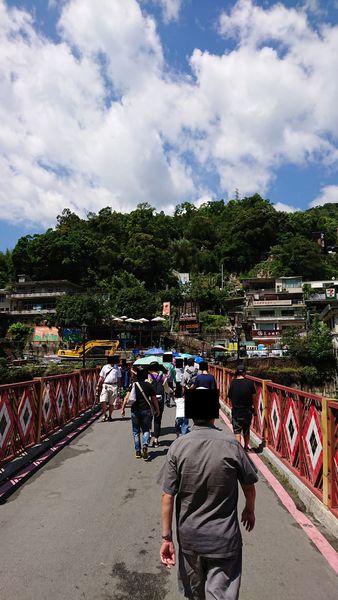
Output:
x,y
328,194
170,8
99,118
281,207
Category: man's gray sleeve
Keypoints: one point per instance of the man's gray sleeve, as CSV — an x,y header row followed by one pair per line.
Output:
x,y
246,472
169,475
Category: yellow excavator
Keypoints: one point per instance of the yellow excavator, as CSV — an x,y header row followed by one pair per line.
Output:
x,y
92,349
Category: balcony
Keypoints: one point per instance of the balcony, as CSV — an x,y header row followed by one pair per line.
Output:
x,y
22,295
32,311
277,318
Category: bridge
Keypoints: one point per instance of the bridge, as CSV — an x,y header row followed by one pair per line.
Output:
x,y
86,522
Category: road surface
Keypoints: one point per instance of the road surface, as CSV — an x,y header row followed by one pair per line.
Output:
x,y
87,526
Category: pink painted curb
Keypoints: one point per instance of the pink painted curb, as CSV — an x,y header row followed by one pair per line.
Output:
x,y
327,551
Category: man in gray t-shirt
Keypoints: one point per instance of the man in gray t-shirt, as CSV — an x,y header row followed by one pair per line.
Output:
x,y
202,470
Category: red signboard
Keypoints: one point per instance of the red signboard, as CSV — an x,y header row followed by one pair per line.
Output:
x,y
166,309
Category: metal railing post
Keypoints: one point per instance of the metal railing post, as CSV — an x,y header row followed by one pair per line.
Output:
x,y
39,382
327,492
265,436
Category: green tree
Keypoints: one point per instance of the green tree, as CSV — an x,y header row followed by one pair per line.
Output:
x,y
73,310
19,334
313,349
300,256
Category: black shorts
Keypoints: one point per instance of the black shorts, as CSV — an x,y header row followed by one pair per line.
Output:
x,y
241,422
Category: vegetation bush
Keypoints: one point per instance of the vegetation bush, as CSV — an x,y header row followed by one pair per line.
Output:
x,y
291,376
28,373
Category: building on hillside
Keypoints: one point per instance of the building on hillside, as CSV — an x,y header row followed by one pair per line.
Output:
x,y
188,317
26,300
318,294
5,304
272,305
330,317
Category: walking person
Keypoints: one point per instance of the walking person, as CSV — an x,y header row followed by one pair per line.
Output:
x,y
241,393
108,386
189,374
171,376
181,422
159,382
204,379
202,471
143,403
179,372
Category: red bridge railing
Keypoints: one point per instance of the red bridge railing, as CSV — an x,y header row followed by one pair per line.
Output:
x,y
31,411
300,428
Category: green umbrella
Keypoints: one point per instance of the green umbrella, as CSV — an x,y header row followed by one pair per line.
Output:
x,y
146,360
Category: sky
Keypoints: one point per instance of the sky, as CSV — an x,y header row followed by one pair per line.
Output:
x,y
120,102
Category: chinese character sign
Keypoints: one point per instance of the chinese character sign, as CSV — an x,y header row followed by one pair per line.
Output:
x,y
166,309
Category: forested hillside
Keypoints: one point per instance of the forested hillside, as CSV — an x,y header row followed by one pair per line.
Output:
x,y
139,250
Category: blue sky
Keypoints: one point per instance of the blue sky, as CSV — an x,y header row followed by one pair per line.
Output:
x,y
164,101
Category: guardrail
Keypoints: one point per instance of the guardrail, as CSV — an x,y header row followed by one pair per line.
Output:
x,y
300,428
31,411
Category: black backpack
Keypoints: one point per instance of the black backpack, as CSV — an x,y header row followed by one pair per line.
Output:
x,y
158,386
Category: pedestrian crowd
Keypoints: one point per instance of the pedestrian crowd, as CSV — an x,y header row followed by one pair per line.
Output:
x,y
203,466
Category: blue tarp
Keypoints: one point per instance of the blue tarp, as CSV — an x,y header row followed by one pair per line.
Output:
x,y
154,351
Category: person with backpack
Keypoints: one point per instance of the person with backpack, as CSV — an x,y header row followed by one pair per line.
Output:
x,y
171,376
108,386
189,374
159,382
144,403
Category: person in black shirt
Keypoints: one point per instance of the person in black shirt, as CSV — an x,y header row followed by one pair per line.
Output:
x,y
142,397
240,394
204,379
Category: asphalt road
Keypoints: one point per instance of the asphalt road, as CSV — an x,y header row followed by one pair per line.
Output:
x,y
87,526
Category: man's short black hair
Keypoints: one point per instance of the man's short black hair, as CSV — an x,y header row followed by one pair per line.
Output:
x,y
113,360
168,357
203,366
154,366
179,363
240,370
191,361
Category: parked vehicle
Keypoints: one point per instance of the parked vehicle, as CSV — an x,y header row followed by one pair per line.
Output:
x,y
92,349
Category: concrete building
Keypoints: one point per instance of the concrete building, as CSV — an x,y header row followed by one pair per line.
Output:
x,y
27,299
272,305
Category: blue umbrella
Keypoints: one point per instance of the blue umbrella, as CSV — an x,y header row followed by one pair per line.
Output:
x,y
154,351
198,359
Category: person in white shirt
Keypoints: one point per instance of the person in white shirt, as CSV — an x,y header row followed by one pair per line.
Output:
x,y
108,386
181,423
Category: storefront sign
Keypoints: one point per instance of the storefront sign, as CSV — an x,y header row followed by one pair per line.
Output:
x,y
330,293
166,309
262,333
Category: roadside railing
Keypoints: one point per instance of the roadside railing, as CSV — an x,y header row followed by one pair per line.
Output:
x,y
33,410
300,428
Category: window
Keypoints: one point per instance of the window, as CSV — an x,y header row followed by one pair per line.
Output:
x,y
266,313
287,313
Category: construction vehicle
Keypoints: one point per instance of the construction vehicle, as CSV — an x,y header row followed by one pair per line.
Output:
x,y
92,349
